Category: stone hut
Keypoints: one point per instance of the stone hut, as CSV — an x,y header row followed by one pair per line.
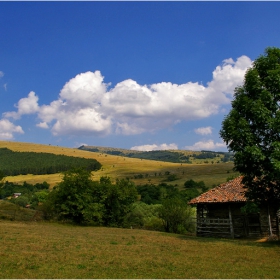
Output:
x,y
219,214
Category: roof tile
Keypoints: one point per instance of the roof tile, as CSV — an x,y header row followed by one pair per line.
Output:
x,y
232,191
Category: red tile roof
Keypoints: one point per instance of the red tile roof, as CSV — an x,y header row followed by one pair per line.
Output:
x,y
232,191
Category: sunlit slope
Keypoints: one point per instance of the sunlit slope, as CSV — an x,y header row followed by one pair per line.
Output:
x,y
123,167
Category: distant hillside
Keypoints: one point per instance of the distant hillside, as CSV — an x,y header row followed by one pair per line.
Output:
x,y
212,171
19,163
175,156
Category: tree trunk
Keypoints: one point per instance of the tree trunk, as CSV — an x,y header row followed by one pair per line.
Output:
x,y
269,221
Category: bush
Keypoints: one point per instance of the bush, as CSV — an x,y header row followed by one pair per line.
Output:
x,y
144,216
176,216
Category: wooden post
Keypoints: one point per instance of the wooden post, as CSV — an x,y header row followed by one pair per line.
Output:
x,y
269,220
230,222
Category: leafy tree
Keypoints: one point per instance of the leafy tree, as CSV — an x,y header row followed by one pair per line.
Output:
x,y
71,198
189,194
118,199
144,216
252,128
176,215
190,184
83,201
21,201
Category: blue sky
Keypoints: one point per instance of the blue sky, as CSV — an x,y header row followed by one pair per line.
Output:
x,y
141,75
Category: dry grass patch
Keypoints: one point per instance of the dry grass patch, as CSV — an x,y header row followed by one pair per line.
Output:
x,y
43,250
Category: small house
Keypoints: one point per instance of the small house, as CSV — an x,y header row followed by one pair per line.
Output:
x,y
16,195
219,214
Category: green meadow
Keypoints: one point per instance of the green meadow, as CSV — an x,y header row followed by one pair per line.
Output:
x,y
49,250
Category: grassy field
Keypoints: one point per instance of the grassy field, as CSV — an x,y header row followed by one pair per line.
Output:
x,y
122,167
48,250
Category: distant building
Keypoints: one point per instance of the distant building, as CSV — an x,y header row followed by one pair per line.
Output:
x,y
15,195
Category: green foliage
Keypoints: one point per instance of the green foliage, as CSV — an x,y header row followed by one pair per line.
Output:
x,y
21,200
144,216
80,200
16,163
176,216
155,194
9,188
171,177
2,176
71,199
250,208
252,128
191,184
189,194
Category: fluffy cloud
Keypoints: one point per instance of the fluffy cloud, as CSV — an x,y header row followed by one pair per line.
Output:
x,y
78,109
154,147
1,74
230,74
204,130
25,106
86,105
7,129
206,145
42,125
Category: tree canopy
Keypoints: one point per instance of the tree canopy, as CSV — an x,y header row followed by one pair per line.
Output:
x,y
79,199
252,128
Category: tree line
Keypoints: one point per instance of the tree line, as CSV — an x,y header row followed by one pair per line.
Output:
x,y
20,163
80,200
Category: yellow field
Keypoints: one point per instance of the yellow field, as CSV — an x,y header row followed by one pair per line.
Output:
x,y
122,167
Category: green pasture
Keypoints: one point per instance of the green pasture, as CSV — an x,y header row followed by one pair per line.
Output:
x,y
49,250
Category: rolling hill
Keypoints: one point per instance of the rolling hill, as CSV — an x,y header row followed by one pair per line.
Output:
x,y
212,172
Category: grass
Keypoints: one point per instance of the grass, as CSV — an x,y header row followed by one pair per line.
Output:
x,y
122,167
49,250
13,212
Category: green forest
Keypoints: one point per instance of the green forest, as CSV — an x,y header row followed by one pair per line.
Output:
x,y
21,163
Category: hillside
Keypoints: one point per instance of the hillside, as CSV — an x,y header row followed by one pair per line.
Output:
x,y
19,163
176,156
121,167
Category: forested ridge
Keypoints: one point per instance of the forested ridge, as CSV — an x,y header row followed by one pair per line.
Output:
x,y
162,155
20,163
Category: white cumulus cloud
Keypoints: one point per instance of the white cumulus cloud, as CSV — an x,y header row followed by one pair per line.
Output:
x,y
7,129
206,145
25,106
204,130
86,105
78,109
154,147
1,74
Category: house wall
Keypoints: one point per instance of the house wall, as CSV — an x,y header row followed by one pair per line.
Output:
x,y
213,220
264,220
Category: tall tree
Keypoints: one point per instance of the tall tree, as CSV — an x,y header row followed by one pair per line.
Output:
x,y
79,199
252,128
